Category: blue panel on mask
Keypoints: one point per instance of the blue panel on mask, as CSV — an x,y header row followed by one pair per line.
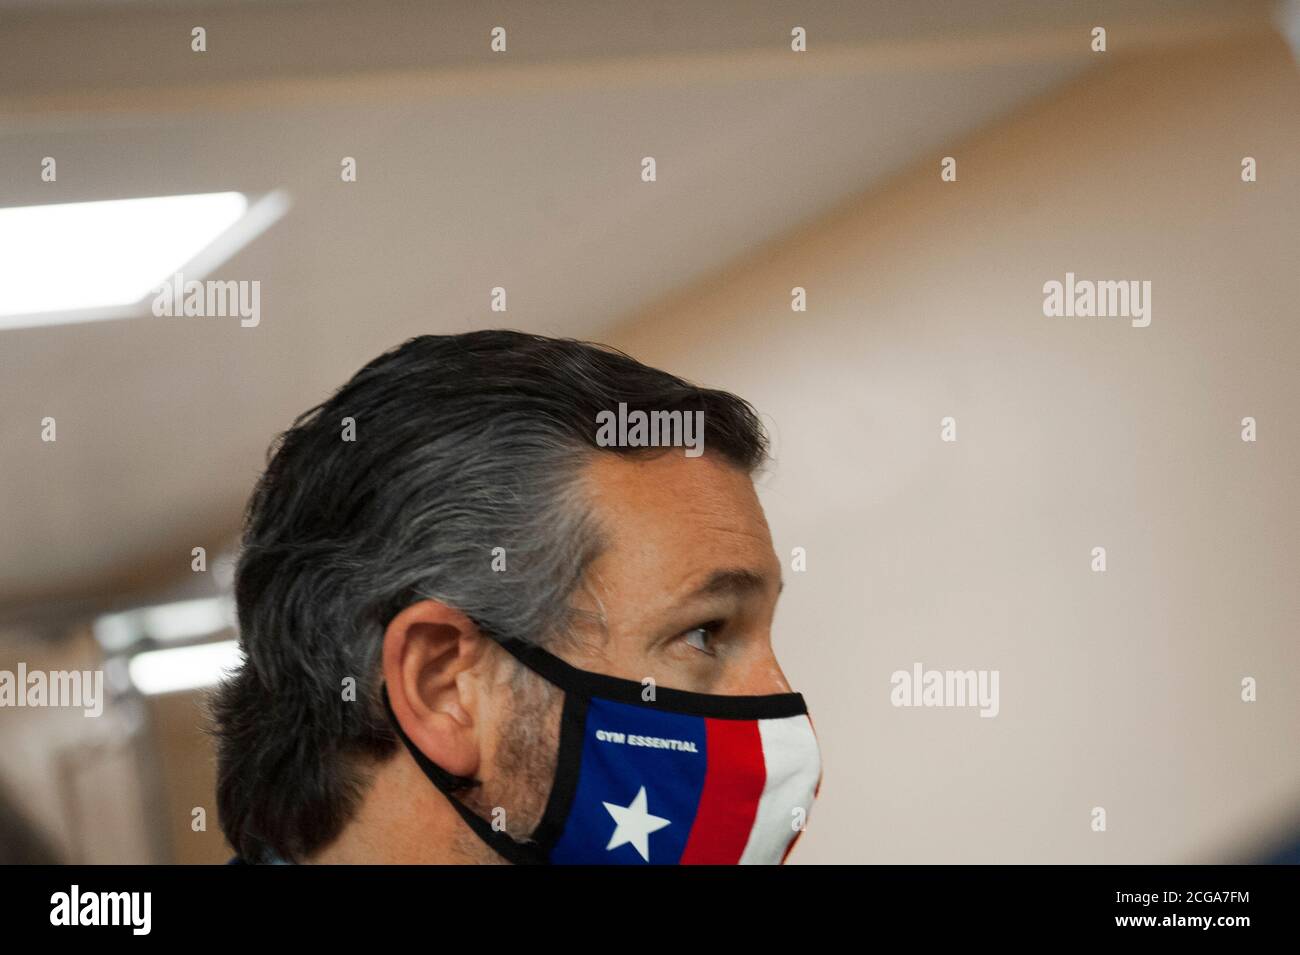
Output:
x,y
648,766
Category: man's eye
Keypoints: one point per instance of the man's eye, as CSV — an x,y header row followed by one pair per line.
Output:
x,y
701,637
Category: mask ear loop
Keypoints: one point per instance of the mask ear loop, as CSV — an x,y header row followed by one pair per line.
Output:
x,y
445,781
449,783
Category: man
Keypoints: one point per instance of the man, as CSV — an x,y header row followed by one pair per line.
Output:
x,y
478,630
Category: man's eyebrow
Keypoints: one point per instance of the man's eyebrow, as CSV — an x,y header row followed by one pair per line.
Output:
x,y
738,582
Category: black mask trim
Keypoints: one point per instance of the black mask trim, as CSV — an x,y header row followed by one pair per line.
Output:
x,y
585,683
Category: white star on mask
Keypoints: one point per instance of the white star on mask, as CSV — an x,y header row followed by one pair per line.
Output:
x,y
634,824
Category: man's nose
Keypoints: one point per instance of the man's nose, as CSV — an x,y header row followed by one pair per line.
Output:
x,y
763,676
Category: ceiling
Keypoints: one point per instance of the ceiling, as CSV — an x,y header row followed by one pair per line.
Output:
x,y
475,170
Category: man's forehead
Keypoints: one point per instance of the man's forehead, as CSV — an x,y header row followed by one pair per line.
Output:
x,y
695,520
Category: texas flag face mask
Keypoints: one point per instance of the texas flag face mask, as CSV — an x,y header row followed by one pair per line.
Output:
x,y
687,778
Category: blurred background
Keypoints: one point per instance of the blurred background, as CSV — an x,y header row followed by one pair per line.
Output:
x,y
522,170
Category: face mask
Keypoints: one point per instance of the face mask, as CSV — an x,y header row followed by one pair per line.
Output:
x,y
690,778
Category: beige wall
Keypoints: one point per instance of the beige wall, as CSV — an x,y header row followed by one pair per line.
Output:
x,y
1120,689
187,764
78,780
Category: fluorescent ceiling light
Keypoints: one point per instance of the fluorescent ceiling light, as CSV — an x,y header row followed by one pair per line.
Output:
x,y
83,261
182,620
184,668
188,618
1286,14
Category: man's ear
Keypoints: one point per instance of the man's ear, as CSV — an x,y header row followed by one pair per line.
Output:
x,y
430,652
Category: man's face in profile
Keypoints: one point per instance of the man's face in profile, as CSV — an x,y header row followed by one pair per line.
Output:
x,y
683,594
688,584
504,582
